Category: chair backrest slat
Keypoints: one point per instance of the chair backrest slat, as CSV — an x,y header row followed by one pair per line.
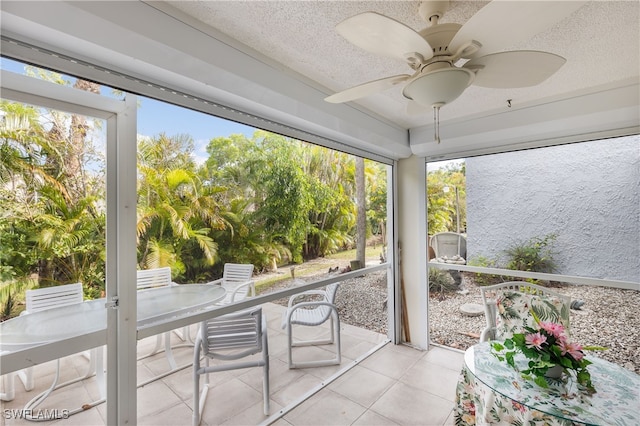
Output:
x,y
152,278
330,292
233,336
449,244
525,297
237,272
41,299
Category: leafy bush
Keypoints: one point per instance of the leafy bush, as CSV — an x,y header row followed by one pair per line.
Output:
x,y
12,294
534,255
485,279
441,281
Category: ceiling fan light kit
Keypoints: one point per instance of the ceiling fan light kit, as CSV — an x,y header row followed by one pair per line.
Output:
x,y
433,52
438,87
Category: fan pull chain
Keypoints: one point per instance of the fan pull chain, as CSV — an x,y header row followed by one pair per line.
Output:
x,y
436,121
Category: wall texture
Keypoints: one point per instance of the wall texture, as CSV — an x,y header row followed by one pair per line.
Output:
x,y
587,193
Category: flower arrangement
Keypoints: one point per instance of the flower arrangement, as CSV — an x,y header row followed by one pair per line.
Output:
x,y
546,347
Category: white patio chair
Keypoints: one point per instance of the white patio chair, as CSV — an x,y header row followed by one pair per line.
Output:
x,y
41,299
228,338
313,313
155,278
236,280
509,311
449,245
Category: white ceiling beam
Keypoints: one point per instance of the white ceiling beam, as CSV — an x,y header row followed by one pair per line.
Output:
x,y
604,112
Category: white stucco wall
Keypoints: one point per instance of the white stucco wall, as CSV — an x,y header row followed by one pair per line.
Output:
x,y
588,194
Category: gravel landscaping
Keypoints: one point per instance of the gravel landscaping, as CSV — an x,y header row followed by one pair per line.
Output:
x,y
609,317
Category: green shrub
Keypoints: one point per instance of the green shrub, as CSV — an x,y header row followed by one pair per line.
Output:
x,y
12,294
534,255
440,281
485,279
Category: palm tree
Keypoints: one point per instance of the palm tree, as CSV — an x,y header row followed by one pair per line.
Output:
x,y
176,212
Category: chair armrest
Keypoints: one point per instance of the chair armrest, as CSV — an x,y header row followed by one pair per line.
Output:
x,y
490,313
488,334
242,286
218,281
290,311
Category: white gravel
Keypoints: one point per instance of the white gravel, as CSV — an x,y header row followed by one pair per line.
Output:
x,y
609,317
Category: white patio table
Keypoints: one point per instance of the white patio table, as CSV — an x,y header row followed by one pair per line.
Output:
x,y
66,330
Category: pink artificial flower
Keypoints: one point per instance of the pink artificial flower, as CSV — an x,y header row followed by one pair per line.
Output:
x,y
554,329
535,340
562,339
573,349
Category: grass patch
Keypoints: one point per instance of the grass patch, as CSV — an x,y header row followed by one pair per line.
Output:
x,y
306,269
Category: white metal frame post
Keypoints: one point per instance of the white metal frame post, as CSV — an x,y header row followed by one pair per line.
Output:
x,y
121,266
412,237
121,150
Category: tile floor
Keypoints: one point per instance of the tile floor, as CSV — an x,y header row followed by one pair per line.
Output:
x,y
396,385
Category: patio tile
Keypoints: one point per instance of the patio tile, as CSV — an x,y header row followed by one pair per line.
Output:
x,y
281,422
447,358
326,408
450,420
362,385
155,397
370,418
181,383
396,385
389,362
177,414
253,414
356,348
362,334
432,378
408,405
280,376
295,389
228,400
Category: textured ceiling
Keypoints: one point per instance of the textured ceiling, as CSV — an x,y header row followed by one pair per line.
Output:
x,y
601,42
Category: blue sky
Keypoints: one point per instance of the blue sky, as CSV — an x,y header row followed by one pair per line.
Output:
x,y
155,117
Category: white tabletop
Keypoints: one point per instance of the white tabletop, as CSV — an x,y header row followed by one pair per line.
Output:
x,y
154,305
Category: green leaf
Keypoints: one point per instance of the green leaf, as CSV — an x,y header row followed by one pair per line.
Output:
x,y
540,381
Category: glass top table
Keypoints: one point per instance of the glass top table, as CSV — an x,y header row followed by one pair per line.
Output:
x,y
616,401
153,306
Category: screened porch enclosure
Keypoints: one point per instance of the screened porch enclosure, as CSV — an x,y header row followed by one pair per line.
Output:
x,y
157,51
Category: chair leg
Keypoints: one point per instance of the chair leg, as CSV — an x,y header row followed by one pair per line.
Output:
x,y
195,420
335,338
26,376
8,384
265,379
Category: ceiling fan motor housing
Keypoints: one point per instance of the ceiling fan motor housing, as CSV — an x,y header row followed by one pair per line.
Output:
x,y
439,37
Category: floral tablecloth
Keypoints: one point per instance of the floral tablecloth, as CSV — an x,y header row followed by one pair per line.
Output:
x,y
491,392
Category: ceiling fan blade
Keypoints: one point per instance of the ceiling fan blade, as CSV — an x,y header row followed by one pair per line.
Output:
x,y
518,68
501,24
366,89
385,36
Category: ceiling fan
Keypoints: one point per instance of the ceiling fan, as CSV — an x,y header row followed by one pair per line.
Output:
x,y
434,53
